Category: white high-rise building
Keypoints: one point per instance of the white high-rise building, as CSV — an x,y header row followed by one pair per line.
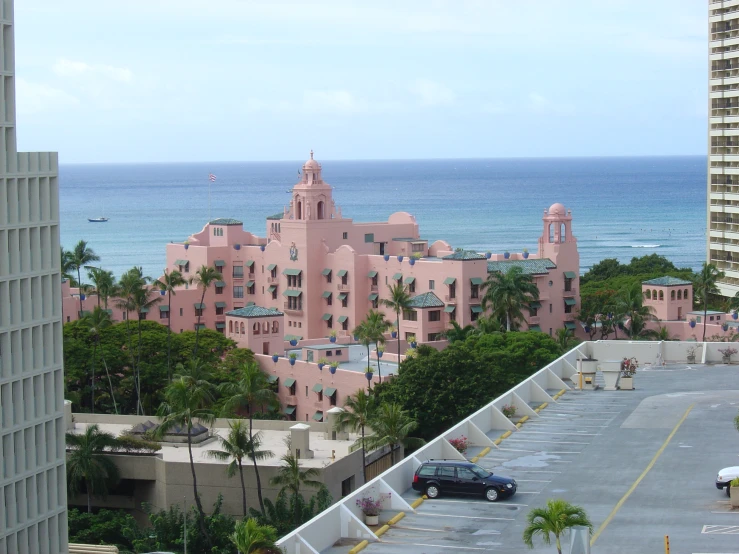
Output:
x,y
723,131
33,500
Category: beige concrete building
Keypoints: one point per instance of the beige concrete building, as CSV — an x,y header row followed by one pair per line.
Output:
x,y
33,500
723,131
164,478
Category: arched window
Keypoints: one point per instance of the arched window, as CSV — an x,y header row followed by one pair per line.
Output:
x,y
672,294
654,294
562,232
551,233
661,295
685,294
243,332
320,210
679,294
299,210
231,327
265,327
275,327
255,328
648,294
214,231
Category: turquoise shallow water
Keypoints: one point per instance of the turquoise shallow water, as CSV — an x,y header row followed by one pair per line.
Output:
x,y
622,207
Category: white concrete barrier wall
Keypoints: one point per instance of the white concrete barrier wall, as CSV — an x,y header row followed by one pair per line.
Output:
x,y
344,519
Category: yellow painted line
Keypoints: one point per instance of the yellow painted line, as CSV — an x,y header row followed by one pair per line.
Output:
x,y
382,530
484,452
361,546
640,478
396,519
505,435
417,502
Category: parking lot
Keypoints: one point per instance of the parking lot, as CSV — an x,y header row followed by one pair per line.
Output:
x,y
642,463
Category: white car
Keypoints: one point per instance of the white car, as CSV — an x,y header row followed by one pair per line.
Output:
x,y
725,477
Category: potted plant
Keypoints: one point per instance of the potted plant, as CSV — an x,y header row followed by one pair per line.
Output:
x,y
628,369
734,493
400,258
262,247
725,327
369,374
371,508
509,410
293,357
506,254
692,323
380,350
394,331
412,341
460,444
332,335
333,366
186,244
727,353
525,253
410,353
488,255
293,342
386,257
691,354
322,362
275,357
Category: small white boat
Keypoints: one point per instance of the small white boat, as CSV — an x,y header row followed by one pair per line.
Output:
x,y
97,219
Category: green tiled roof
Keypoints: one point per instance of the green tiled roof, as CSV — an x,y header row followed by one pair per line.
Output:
x,y
464,255
397,277
220,325
181,262
292,272
249,263
318,416
404,239
372,297
220,283
249,284
341,296
330,391
270,267
450,280
534,305
254,311
666,281
318,387
163,308
272,288
276,216
199,306
289,382
426,300
144,310
292,293
569,325
290,410
226,221
538,266
199,326
272,378
570,301
570,275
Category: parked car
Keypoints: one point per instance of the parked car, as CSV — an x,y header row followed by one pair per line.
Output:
x,y
724,478
435,477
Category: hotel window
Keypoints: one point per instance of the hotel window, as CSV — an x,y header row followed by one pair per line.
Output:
x,y
338,352
412,287
533,312
198,311
163,314
345,278
327,273
291,389
475,292
274,294
374,280
238,292
273,272
375,303
219,290
238,271
294,281
219,310
431,285
329,300
345,325
410,315
568,285
435,315
345,235
568,308
474,315
330,325
344,300
251,268
142,316
180,313
250,289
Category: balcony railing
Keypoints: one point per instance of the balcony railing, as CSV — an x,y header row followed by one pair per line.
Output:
x,y
294,310
534,320
374,288
342,286
568,293
273,280
450,299
569,317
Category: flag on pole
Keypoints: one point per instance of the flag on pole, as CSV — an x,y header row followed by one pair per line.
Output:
x,y
211,177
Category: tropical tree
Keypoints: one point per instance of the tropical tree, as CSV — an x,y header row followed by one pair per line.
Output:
x,y
555,519
399,301
103,282
88,463
358,412
188,398
141,301
630,303
98,320
705,286
392,427
508,294
235,446
457,332
490,324
168,284
79,257
129,284
371,331
203,279
291,478
251,538
566,339
250,390
66,266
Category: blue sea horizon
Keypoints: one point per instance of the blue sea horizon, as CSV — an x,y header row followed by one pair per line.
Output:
x,y
622,206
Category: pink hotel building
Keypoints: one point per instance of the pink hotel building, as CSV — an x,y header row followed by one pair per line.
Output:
x,y
324,272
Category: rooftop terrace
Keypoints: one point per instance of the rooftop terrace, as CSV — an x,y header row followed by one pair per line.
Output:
x,y
642,463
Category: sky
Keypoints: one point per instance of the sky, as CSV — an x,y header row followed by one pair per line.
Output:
x,y
241,80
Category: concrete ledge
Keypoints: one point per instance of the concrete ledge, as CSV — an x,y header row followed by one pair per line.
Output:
x,y
361,546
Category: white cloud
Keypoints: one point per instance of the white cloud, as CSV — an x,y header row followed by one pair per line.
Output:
x,y
432,93
32,98
71,68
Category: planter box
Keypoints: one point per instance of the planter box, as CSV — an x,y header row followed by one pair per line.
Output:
x,y
375,520
589,366
726,359
691,359
734,497
626,383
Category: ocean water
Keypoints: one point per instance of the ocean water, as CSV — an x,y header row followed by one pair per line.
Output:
x,y
621,207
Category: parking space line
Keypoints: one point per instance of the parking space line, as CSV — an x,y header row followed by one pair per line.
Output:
x,y
529,432
625,497
466,517
490,504
537,471
533,480
456,547
543,451
513,438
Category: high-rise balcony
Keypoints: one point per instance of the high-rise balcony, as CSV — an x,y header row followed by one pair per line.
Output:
x,y
294,309
343,286
450,299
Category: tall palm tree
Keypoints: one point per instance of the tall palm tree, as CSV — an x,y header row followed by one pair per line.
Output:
x,y
142,301
630,303
186,399
399,300
103,283
168,283
508,294
251,390
203,279
555,519
128,285
358,411
705,285
88,464
234,447
457,332
78,258
392,427
290,478
66,266
251,538
371,331
98,320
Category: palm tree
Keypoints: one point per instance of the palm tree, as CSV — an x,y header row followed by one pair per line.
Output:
x,y
98,320
186,399
392,426
103,282
399,301
88,463
251,538
66,266
250,390
77,259
130,282
142,302
168,284
489,324
630,303
555,519
203,279
457,332
705,285
234,446
508,294
371,331
565,338
358,411
291,478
